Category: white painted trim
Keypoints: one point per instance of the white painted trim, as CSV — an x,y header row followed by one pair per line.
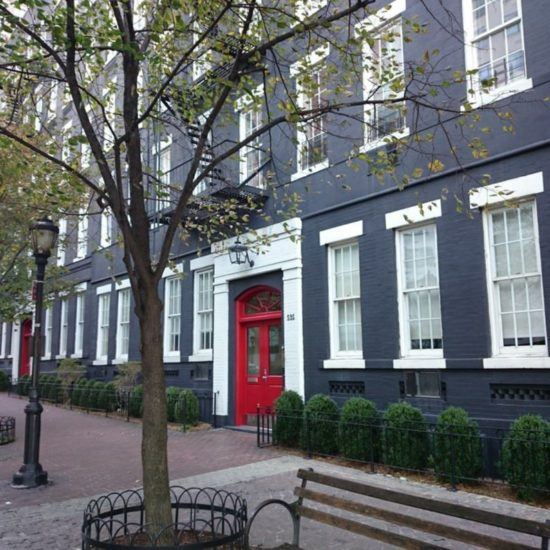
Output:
x,y
172,358
516,363
102,359
76,356
302,173
171,272
104,289
122,284
385,140
15,349
342,363
196,332
165,334
201,357
246,101
383,15
420,363
202,262
122,357
4,339
309,60
81,287
414,214
498,193
97,362
341,233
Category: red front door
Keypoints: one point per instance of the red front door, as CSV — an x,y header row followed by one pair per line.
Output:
x,y
25,359
260,352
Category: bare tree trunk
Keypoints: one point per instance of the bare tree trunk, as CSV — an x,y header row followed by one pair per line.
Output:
x,y
154,438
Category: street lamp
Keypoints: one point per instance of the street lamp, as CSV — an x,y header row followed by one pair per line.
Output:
x,y
238,253
43,237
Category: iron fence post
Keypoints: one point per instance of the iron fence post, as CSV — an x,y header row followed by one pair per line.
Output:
x,y
308,434
372,469
453,462
214,397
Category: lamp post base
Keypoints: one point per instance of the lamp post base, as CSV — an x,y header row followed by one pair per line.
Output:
x,y
29,476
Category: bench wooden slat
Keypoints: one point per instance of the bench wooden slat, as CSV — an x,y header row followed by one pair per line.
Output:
x,y
446,531
397,539
512,523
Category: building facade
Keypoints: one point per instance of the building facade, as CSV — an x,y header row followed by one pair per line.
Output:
x,y
437,293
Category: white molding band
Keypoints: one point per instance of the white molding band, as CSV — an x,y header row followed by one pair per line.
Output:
x,y
516,363
81,287
104,289
414,214
420,363
341,233
343,363
171,272
202,357
515,188
201,262
122,284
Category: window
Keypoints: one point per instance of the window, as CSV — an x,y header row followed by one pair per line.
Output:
x,y
422,384
106,229
384,74
4,339
109,104
82,235
64,327
162,167
104,304
52,103
203,60
518,319
345,300
66,136
312,135
252,157
195,132
419,300
495,34
79,325
172,316
61,242
123,324
48,333
204,311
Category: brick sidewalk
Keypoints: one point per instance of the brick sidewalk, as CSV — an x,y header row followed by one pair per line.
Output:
x,y
87,454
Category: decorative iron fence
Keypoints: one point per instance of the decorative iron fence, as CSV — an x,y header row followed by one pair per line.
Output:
x,y
187,407
7,429
202,518
453,455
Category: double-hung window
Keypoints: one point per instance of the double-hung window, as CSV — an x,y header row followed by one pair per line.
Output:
x,y
518,318
345,301
419,298
103,311
195,132
48,333
384,77
123,324
172,316
61,242
162,165
81,235
204,312
495,47
106,229
79,325
252,157
64,327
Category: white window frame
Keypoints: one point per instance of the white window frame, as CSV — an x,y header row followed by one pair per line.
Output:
x,y
313,61
103,302
48,322
485,98
404,330
341,359
503,356
198,353
63,328
106,229
171,354
80,321
123,320
385,16
61,246
307,8
81,235
4,339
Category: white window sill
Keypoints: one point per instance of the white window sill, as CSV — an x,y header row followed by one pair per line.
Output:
x,y
516,363
43,358
344,363
420,363
171,359
480,99
77,355
78,258
98,362
61,356
385,140
120,360
311,170
200,357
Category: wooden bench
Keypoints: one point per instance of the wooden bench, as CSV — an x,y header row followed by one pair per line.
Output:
x,y
303,508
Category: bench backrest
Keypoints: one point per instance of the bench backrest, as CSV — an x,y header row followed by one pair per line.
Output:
x,y
478,515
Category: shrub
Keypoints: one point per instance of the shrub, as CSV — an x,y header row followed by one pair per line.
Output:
x,y
128,375
405,437
107,400
525,458
69,372
172,396
135,401
457,446
96,387
320,431
23,385
360,430
4,381
289,408
86,395
78,391
186,411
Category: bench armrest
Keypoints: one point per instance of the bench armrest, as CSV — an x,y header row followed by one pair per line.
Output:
x,y
290,507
